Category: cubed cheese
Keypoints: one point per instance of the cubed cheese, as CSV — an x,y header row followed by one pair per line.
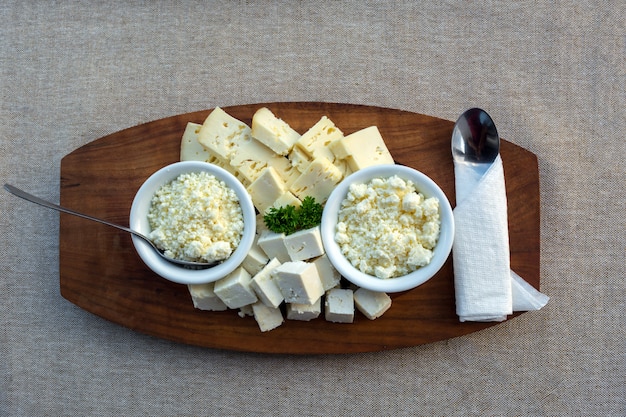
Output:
x,y
190,148
318,180
287,199
266,189
304,244
363,148
264,286
256,258
273,132
304,312
204,297
299,282
235,290
371,303
339,306
329,276
267,318
273,244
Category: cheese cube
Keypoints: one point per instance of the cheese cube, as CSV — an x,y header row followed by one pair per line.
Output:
x,y
299,282
318,180
256,259
264,190
304,312
249,157
234,289
190,148
245,311
273,244
339,306
304,244
267,318
219,131
316,140
371,303
204,297
273,132
329,276
363,148
287,199
264,286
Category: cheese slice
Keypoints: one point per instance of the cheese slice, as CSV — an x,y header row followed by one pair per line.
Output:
x,y
317,181
219,131
363,148
190,148
273,132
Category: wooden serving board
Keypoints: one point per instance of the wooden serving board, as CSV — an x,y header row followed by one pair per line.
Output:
x,y
101,272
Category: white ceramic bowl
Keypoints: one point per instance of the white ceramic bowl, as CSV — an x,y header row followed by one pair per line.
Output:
x,y
441,251
139,222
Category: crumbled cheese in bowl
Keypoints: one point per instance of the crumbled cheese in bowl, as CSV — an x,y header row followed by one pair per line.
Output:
x,y
387,228
196,217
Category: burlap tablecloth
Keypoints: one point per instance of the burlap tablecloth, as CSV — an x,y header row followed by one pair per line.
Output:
x,y
553,77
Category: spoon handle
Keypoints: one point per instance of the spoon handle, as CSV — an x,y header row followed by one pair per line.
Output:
x,y
34,199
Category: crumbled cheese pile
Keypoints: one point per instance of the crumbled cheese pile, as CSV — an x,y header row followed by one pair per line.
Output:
x,y
386,228
196,217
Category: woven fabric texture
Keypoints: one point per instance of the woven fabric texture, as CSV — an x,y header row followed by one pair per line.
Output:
x,y
552,75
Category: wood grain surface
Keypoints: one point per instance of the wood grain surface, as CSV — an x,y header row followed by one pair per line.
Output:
x,y
101,273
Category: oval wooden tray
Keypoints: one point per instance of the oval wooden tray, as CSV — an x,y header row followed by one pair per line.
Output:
x,y
101,273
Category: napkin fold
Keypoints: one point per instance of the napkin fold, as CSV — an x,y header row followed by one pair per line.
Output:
x,y
486,288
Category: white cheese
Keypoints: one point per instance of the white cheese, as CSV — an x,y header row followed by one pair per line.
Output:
x,y
204,297
304,244
273,244
190,148
304,312
318,180
299,158
249,157
339,306
196,217
329,276
371,303
386,232
256,259
218,133
266,189
273,132
266,317
363,148
235,290
299,282
315,143
287,199
264,286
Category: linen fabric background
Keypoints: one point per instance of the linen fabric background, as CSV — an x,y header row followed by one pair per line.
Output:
x,y
551,74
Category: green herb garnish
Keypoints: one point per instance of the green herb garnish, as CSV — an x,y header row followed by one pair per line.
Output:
x,y
289,219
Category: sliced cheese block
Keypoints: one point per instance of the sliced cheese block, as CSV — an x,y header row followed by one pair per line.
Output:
x,y
363,148
317,181
273,132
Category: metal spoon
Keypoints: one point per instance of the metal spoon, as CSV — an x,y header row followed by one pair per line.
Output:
x,y
29,197
475,139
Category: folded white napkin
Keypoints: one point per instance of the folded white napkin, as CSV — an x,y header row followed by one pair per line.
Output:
x,y
486,288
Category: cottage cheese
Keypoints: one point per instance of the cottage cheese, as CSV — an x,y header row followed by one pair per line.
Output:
x,y
196,217
386,228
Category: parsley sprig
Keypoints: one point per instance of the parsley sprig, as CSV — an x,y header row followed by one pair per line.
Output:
x,y
289,219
